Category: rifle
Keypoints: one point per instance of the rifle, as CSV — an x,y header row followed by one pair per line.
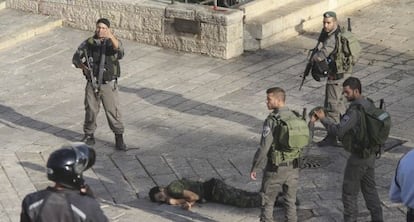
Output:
x,y
308,68
349,25
90,72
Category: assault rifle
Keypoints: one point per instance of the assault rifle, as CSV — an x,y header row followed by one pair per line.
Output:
x,y
90,72
308,68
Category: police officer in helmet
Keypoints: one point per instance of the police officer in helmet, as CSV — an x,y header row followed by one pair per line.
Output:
x,y
70,199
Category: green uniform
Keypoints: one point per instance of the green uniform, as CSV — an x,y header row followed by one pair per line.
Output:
x,y
277,176
334,100
108,93
359,172
214,190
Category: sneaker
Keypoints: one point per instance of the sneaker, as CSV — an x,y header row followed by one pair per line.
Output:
x,y
88,139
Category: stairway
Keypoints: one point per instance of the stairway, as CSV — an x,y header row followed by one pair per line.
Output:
x,y
17,26
271,21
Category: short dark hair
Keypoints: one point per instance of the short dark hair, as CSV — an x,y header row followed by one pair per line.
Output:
x,y
152,193
104,21
278,92
353,83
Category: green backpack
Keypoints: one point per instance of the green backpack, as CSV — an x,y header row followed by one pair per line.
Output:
x,y
348,51
377,123
293,135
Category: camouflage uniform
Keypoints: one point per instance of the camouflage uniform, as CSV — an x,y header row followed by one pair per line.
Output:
x,y
359,172
214,190
284,175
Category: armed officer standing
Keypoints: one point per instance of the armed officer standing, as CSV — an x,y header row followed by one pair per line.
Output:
x,y
281,170
359,172
98,58
326,56
69,200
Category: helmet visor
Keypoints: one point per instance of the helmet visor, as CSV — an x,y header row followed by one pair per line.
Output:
x,y
85,158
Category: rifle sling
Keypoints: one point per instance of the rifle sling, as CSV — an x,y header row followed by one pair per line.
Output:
x,y
102,63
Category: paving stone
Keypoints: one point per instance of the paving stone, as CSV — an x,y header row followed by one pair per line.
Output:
x,y
193,116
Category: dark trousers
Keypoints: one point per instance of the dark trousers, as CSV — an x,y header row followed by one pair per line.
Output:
x,y
410,215
360,176
217,191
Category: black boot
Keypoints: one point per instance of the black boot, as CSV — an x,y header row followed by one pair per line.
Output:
x,y
329,140
119,142
88,139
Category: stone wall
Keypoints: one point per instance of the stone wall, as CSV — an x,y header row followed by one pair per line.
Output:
x,y
184,27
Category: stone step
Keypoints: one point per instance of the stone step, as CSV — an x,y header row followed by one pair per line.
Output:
x,y
256,8
2,5
292,19
18,26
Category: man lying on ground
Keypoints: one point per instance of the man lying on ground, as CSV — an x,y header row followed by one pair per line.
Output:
x,y
186,193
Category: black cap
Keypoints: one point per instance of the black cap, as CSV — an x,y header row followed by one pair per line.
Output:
x,y
104,21
329,14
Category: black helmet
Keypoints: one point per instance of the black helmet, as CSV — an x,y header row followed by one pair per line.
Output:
x,y
66,165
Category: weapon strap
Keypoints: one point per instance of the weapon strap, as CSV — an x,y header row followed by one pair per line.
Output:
x,y
102,63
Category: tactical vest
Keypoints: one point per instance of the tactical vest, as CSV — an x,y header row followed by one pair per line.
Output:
x,y
112,68
291,134
347,50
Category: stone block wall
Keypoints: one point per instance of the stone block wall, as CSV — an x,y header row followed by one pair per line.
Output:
x,y
184,27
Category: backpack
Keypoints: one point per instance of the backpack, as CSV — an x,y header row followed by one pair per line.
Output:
x,y
347,50
377,123
292,134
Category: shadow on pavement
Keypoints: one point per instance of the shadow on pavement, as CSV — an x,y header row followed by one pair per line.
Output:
x,y
10,115
179,103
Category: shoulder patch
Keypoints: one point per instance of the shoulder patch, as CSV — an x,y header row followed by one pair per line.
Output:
x,y
266,131
345,118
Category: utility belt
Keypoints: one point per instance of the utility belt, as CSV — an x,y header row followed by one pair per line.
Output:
x,y
336,76
292,164
105,81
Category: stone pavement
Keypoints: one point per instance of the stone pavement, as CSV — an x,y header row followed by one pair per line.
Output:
x,y
192,116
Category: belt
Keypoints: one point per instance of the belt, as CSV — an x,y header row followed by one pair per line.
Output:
x,y
105,82
336,76
288,163
274,168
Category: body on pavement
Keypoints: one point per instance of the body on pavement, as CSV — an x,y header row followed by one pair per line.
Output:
x,y
186,193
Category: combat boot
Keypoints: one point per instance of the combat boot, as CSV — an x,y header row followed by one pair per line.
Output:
x,y
329,140
88,139
119,142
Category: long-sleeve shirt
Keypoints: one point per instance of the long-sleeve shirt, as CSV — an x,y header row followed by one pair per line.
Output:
x,y
402,184
328,45
266,141
349,121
